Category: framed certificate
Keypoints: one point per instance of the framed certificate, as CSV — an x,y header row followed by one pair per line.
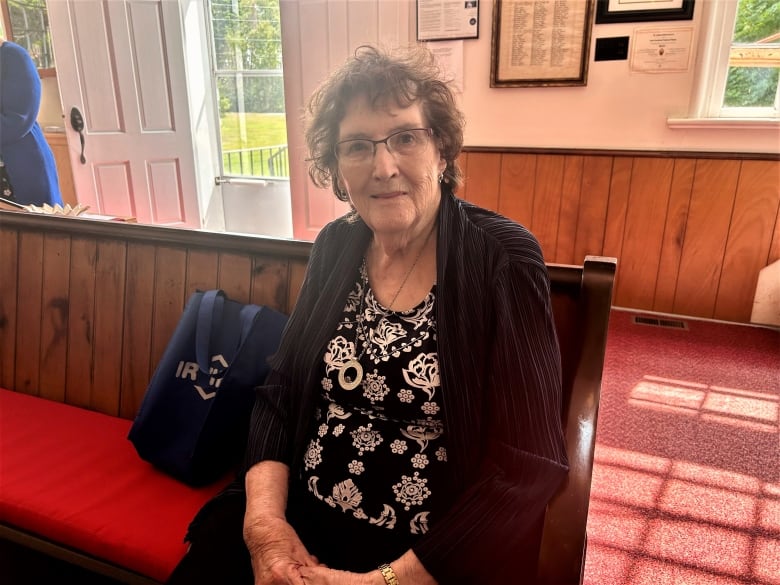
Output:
x,y
540,43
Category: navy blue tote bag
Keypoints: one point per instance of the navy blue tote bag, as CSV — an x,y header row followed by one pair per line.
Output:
x,y
194,419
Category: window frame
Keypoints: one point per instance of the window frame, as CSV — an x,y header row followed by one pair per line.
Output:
x,y
707,108
5,16
215,74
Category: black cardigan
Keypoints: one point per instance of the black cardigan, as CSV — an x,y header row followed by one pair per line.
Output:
x,y
500,374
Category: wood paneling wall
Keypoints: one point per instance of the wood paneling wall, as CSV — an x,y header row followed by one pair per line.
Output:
x,y
690,235
87,308
691,231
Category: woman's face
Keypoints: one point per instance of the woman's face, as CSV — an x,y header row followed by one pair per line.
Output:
x,y
396,195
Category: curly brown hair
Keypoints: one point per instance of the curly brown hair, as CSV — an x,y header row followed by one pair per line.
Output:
x,y
401,78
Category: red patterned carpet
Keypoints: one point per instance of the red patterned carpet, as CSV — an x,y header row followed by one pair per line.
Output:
x,y
686,484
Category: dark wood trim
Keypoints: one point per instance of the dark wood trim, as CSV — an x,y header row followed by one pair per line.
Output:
x,y
245,243
73,556
631,153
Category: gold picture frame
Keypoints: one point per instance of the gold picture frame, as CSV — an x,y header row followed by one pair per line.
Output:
x,y
540,44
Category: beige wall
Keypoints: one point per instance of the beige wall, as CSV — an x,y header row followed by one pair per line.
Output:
x,y
618,109
51,110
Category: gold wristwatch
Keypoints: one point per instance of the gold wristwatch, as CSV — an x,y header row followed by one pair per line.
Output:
x,y
388,574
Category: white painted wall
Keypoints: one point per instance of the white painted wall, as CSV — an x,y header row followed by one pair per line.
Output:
x,y
317,36
617,109
258,207
51,111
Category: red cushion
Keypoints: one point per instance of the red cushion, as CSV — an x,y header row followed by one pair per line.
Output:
x,y
70,475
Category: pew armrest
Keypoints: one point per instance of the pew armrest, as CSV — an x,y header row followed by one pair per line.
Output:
x,y
582,299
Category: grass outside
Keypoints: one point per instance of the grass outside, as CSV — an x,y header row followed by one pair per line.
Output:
x,y
262,130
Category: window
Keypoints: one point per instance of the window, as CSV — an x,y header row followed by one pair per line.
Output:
x,y
740,66
26,22
247,64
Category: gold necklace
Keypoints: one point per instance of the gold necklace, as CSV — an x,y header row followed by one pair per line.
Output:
x,y
346,381
409,272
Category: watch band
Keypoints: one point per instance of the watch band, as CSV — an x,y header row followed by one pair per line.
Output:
x,y
388,574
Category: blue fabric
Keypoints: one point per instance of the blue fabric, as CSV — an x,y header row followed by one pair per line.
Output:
x,y
194,418
27,155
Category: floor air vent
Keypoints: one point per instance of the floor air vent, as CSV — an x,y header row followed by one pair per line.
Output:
x,y
656,322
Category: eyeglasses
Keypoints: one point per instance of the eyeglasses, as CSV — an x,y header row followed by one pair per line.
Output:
x,y
361,151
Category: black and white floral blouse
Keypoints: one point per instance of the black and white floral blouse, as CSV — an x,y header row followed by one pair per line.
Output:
x,y
377,449
499,369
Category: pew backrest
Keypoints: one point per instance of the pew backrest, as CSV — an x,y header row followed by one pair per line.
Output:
x,y
87,308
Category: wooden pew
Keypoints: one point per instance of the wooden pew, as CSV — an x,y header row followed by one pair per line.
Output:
x,y
581,299
87,307
83,301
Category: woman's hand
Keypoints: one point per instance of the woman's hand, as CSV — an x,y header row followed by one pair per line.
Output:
x,y
276,551
407,568
275,548
321,575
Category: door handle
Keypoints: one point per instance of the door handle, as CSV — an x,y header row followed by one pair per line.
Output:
x,y
77,123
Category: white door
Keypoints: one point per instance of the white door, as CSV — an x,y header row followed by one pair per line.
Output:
x,y
121,63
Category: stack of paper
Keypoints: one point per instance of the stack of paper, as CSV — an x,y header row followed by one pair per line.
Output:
x,y
58,209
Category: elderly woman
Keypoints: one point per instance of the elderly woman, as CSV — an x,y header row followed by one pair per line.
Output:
x,y
410,430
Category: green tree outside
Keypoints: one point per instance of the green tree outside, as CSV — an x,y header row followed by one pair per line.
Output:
x,y
754,86
248,61
30,28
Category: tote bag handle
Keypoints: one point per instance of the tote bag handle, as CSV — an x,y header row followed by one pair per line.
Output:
x,y
210,315
209,312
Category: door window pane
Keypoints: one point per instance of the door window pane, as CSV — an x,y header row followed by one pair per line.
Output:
x,y
250,89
